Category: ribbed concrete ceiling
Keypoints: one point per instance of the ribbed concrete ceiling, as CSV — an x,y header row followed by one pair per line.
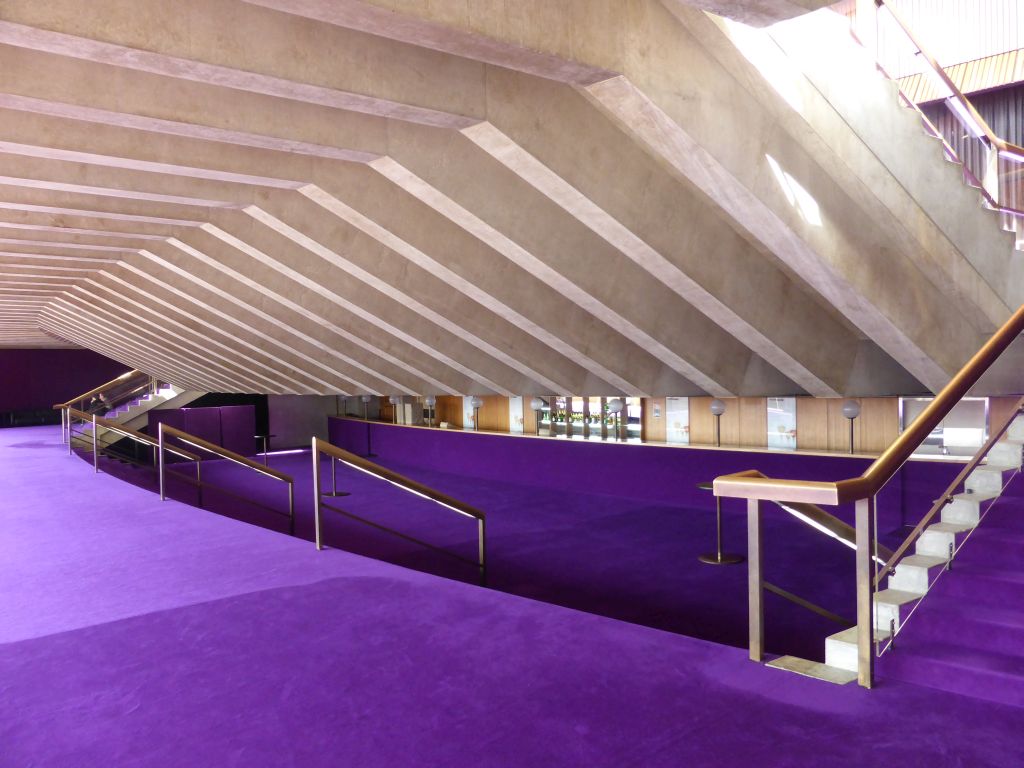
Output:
x,y
332,196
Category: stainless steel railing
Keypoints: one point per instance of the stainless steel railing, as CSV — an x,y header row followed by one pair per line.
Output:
x,y
165,432
74,414
321,447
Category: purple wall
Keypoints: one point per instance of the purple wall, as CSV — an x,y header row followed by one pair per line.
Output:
x,y
35,379
230,426
660,474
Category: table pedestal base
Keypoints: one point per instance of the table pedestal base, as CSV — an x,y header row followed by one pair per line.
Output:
x,y
721,558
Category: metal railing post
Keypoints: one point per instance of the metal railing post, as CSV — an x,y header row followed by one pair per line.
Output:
x,y
199,485
63,418
160,459
482,544
865,524
291,508
755,581
70,451
95,448
316,495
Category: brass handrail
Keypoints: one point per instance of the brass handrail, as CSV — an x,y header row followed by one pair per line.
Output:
x,y
947,495
138,437
164,431
126,376
752,485
400,481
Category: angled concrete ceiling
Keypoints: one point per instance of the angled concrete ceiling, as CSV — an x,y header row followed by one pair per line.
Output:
x,y
336,196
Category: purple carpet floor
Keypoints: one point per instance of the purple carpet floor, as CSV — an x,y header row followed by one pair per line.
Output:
x,y
141,633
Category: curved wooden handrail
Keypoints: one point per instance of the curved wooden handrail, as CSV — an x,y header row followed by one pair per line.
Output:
x,y
132,434
358,462
126,376
752,485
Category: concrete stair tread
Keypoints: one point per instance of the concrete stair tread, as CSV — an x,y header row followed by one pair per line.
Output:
x,y
968,496
950,527
921,561
814,669
850,636
996,468
896,597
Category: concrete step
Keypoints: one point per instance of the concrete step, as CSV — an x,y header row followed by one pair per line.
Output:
x,y
1016,430
965,509
1006,453
814,669
939,537
893,605
915,573
841,648
988,478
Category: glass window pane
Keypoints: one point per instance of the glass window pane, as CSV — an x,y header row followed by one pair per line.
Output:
x,y
677,420
782,423
961,433
634,417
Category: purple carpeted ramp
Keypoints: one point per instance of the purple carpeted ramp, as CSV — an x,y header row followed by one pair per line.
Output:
x,y
141,633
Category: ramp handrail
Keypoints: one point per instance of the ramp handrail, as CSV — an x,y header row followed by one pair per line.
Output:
x,y
131,434
400,481
126,376
165,431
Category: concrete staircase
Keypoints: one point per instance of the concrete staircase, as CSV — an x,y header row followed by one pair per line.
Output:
x,y
915,574
133,414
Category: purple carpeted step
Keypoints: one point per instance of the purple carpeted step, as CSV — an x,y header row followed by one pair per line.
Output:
x,y
958,669
982,586
996,629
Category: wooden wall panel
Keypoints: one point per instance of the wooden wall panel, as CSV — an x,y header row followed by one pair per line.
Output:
x,y
449,408
877,426
811,424
821,426
702,423
753,421
493,414
653,425
387,410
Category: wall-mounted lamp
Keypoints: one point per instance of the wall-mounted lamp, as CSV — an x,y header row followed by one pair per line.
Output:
x,y
430,401
718,408
476,402
537,405
615,410
851,410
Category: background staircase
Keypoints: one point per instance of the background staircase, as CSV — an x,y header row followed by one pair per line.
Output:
x,y
133,413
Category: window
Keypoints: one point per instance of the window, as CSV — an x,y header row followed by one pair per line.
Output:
x,y
782,423
677,420
961,433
